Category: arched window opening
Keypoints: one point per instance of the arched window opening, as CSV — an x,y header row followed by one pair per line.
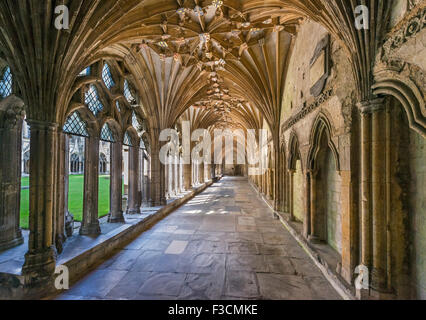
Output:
x,y
6,83
25,176
85,72
135,121
107,77
75,126
105,158
128,140
127,143
92,100
106,134
127,94
76,130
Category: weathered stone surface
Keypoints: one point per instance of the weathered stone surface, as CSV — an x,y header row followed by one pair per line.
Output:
x,y
210,264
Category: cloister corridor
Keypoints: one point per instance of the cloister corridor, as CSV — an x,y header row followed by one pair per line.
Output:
x,y
222,244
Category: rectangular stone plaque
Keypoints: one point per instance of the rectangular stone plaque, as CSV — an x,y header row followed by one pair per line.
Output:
x,y
318,69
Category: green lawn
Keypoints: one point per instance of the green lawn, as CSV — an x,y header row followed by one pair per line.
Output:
x,y
75,198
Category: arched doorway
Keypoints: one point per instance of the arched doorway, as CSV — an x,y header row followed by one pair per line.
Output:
x,y
296,181
325,188
328,223
407,148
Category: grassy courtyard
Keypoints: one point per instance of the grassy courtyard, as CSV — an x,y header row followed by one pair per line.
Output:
x,y
75,198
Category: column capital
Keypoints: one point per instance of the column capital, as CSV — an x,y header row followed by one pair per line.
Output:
x,y
42,125
371,105
11,116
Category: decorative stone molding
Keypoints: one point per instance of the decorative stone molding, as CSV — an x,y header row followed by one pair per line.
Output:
x,y
306,110
405,82
408,29
371,106
12,111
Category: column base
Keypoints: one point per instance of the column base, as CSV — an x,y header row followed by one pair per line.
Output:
x,y
363,294
160,203
40,264
92,229
116,218
9,244
59,243
131,211
378,281
314,239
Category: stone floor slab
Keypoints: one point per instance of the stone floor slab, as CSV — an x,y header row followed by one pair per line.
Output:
x,y
224,244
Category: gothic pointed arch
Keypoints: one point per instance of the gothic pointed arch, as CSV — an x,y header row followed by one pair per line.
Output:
x,y
321,127
390,82
293,151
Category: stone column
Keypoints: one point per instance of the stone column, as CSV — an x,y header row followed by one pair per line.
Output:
x,y
373,192
263,184
379,223
167,179
140,178
176,174
171,177
314,236
180,178
209,172
187,177
307,217
62,187
40,259
365,187
291,196
11,120
133,206
158,178
116,211
201,172
144,190
213,171
148,179
90,223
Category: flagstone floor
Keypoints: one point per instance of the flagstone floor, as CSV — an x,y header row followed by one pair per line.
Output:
x,y
223,244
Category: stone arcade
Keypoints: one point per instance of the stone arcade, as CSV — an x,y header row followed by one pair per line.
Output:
x,y
344,180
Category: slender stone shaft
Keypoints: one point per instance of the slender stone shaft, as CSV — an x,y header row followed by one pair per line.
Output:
x,y
365,189
291,190
116,210
313,206
90,223
187,176
307,217
201,173
62,190
133,201
158,179
40,259
11,119
378,272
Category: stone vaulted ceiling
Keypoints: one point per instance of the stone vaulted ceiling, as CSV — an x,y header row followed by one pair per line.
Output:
x,y
226,57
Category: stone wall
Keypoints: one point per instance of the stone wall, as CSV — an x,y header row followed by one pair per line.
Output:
x,y
333,204
298,193
337,106
418,213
